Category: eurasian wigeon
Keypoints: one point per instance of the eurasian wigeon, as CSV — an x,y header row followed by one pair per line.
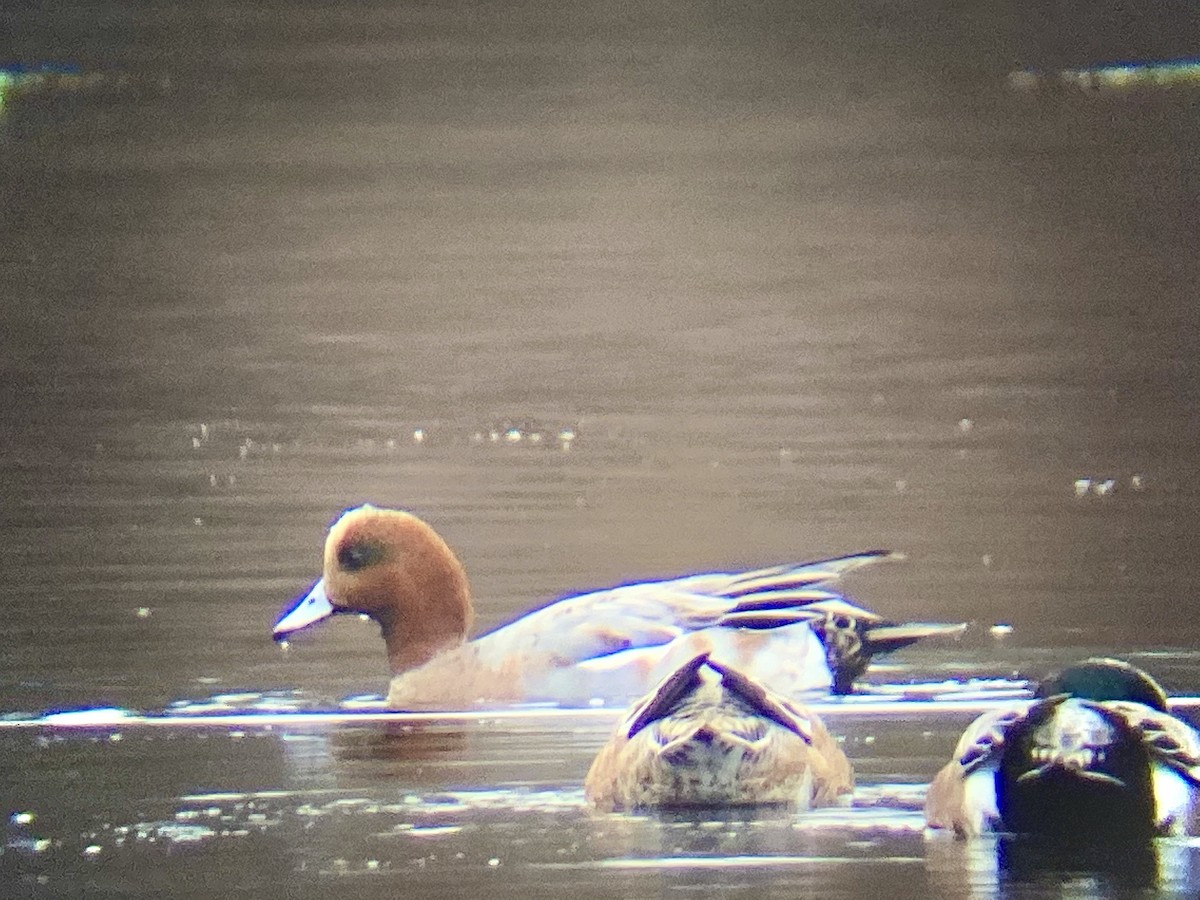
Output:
x,y
1095,759
784,626
708,735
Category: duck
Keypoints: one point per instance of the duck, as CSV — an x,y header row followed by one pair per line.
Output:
x,y
785,625
1096,758
708,735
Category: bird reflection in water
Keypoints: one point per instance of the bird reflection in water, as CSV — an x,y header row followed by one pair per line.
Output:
x,y
1153,863
399,743
960,868
348,757
699,834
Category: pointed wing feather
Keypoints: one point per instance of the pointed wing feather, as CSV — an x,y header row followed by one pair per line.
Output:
x,y
984,738
766,618
784,577
648,614
663,700
764,701
962,795
1170,741
784,598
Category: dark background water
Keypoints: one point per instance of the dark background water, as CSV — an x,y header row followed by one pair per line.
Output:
x,y
801,278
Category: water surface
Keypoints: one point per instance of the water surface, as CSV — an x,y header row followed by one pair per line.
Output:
x,y
799,280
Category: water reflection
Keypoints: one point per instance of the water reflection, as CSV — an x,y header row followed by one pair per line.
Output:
x,y
396,743
698,838
1135,865
807,274
398,805
1013,866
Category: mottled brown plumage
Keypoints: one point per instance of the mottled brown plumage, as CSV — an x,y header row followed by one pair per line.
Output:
x,y
710,736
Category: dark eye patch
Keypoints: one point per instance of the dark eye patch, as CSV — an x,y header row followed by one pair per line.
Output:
x,y
355,555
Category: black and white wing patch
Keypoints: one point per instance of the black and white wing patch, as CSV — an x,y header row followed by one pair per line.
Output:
x,y
985,738
1171,742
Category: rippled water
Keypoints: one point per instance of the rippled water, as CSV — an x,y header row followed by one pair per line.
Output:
x,y
484,803
604,294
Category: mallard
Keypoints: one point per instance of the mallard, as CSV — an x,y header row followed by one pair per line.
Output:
x,y
1097,755
709,735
